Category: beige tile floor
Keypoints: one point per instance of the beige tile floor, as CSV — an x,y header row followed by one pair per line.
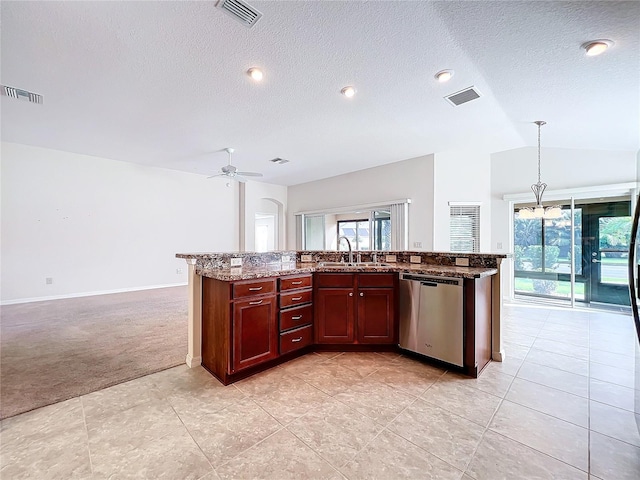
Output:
x,y
559,407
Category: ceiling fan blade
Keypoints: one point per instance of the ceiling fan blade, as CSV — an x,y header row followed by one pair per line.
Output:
x,y
218,175
249,174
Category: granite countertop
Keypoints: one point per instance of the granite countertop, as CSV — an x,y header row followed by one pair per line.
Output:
x,y
278,269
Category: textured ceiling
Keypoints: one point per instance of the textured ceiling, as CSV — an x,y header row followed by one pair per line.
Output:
x,y
164,83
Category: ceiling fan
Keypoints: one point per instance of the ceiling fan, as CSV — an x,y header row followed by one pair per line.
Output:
x,y
232,172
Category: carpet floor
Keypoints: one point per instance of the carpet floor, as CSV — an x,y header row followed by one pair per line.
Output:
x,y
54,350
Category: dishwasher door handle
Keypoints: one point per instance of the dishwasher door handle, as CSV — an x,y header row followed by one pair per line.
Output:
x,y
428,284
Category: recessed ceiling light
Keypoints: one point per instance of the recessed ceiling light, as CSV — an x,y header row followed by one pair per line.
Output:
x,y
348,91
444,75
596,47
255,73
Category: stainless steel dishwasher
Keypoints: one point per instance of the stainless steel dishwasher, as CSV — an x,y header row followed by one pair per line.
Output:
x,y
431,317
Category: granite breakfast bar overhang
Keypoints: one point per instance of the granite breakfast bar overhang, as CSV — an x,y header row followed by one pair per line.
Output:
x,y
234,266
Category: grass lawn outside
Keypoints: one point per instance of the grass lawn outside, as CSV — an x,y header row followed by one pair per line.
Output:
x,y
563,289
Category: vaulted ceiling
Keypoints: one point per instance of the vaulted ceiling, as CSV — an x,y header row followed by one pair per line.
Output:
x,y
165,84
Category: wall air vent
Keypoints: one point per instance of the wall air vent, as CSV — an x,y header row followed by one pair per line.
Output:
x,y
241,11
279,160
463,96
21,94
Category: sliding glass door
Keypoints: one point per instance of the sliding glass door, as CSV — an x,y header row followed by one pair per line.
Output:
x,y
606,252
543,251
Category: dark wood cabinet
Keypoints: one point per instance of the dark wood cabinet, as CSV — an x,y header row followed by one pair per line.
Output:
x,y
250,325
239,325
376,319
296,313
356,308
335,309
255,331
477,324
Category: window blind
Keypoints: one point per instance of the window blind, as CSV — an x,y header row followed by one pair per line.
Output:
x,y
464,228
399,226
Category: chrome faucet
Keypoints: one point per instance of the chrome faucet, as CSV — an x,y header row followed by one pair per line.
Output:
x,y
349,244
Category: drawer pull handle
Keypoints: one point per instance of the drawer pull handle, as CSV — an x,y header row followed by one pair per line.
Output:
x,y
295,299
296,283
255,289
361,294
297,317
351,294
255,303
296,340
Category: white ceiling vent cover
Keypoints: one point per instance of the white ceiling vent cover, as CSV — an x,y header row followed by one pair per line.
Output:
x,y
21,94
241,11
463,96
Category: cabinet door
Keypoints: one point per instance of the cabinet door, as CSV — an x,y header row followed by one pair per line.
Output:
x,y
335,315
376,319
255,331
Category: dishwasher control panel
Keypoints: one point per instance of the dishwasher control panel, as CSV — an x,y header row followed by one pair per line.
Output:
x,y
424,278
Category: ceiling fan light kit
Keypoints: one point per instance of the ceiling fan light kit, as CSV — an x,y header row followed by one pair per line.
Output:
x,y
231,172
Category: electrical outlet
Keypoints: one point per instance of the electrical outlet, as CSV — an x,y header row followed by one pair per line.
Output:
x,y
48,281
415,259
179,271
306,258
286,258
462,262
390,258
236,262
417,244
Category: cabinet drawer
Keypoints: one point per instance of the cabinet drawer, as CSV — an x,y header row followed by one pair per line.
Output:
x,y
334,280
376,279
296,317
295,339
295,298
254,287
300,281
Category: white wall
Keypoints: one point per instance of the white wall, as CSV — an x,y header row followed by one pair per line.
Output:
x,y
461,177
411,178
94,224
514,171
258,197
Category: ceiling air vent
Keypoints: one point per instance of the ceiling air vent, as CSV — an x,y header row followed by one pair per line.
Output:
x,y
21,94
279,160
241,11
463,96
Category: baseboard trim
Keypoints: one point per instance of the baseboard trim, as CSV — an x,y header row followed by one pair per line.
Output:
x,y
90,294
193,362
497,356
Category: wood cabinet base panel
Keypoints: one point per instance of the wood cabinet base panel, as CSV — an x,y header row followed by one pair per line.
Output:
x,y
228,379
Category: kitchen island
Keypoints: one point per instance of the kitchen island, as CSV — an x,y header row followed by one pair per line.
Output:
x,y
249,311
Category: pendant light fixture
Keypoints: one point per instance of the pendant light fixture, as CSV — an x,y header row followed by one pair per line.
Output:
x,y
539,211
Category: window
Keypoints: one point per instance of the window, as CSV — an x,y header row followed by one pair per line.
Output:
x,y
378,226
382,230
464,230
357,231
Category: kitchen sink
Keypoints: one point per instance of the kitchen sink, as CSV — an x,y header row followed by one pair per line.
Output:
x,y
352,264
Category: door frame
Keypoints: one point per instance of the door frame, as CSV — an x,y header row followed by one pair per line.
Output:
x,y
595,290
